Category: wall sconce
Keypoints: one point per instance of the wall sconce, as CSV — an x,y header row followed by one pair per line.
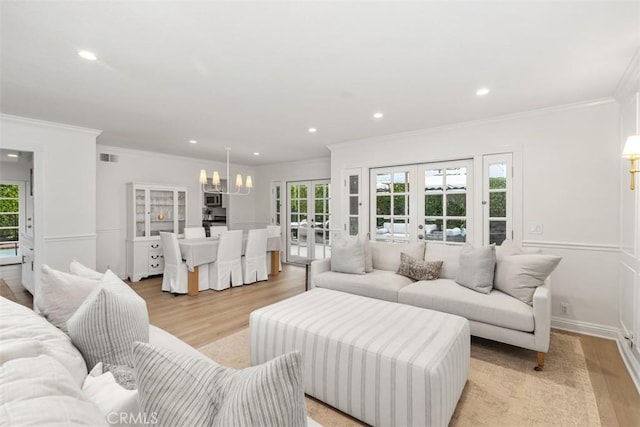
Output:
x,y
631,151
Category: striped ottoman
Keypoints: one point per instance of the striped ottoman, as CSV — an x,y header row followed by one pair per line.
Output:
x,y
384,363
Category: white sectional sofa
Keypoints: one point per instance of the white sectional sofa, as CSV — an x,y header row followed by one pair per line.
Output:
x,y
496,316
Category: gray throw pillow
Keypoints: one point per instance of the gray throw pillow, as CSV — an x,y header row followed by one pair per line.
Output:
x,y
476,268
108,322
347,255
183,390
520,275
417,269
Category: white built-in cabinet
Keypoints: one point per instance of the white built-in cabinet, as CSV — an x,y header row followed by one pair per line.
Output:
x,y
151,209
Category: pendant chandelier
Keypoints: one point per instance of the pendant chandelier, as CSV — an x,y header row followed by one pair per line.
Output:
x,y
242,188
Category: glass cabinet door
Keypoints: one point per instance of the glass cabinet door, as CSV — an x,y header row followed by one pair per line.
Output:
x,y
161,211
141,223
182,211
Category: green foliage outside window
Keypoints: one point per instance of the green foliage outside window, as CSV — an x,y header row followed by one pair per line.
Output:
x,y
9,212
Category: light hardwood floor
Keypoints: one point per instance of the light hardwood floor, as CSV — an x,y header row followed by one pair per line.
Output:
x,y
211,315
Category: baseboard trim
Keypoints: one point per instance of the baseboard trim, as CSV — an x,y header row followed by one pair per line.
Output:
x,y
633,367
585,328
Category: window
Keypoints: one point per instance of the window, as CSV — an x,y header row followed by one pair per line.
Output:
x,y
446,207
10,194
352,186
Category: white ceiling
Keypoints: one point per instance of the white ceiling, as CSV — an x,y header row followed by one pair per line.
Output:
x,y
255,76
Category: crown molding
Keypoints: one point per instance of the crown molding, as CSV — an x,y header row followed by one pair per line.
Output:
x,y
630,81
474,123
55,125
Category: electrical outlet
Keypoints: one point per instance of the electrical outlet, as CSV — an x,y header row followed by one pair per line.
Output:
x,y
564,308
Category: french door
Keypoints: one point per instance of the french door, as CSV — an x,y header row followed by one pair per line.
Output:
x,y
308,220
430,201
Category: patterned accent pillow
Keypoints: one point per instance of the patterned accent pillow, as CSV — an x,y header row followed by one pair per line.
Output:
x,y
124,375
417,269
184,390
108,322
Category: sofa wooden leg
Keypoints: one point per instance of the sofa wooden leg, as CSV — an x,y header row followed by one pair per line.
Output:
x,y
540,361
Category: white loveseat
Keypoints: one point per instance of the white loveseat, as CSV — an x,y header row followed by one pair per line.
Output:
x,y
496,316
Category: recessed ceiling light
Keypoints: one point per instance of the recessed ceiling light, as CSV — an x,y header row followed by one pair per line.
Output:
x,y
87,55
256,154
378,115
313,130
193,141
12,155
482,91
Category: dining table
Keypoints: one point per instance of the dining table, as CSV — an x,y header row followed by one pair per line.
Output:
x,y
199,251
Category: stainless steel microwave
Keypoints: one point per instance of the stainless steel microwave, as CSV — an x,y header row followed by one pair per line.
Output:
x,y
213,199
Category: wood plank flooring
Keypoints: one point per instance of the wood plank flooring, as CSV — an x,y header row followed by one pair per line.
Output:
x,y
212,315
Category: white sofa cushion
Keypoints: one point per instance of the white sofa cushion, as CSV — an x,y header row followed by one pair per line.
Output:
x,y
386,256
31,335
60,294
347,255
476,267
448,254
380,284
117,405
495,308
77,269
39,391
520,275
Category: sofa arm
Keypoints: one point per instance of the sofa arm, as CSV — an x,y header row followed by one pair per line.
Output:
x,y
318,266
542,316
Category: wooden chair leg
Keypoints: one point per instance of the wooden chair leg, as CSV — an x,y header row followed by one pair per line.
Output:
x,y
540,361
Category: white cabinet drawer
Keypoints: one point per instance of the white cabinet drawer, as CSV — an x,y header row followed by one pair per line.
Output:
x,y
155,246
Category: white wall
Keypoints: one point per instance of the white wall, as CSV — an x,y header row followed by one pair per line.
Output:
x,y
154,168
284,172
628,95
64,188
570,169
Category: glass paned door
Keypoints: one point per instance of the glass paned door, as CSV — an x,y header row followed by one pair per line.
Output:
x,y
11,212
391,200
446,195
308,226
497,198
354,204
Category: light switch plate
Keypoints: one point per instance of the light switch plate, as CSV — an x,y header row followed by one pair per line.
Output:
x,y
535,228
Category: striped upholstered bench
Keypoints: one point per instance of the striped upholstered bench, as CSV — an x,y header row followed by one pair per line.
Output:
x,y
384,363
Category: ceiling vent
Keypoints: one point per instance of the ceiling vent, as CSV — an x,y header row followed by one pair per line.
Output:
x,y
111,158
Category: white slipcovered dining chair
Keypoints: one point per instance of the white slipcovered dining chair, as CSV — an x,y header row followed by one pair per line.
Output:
x,y
273,231
215,231
175,276
227,268
194,233
254,260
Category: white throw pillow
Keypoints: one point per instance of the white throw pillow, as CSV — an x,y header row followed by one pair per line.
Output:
x,y
60,294
347,255
476,268
116,403
368,255
108,322
520,275
189,391
80,270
